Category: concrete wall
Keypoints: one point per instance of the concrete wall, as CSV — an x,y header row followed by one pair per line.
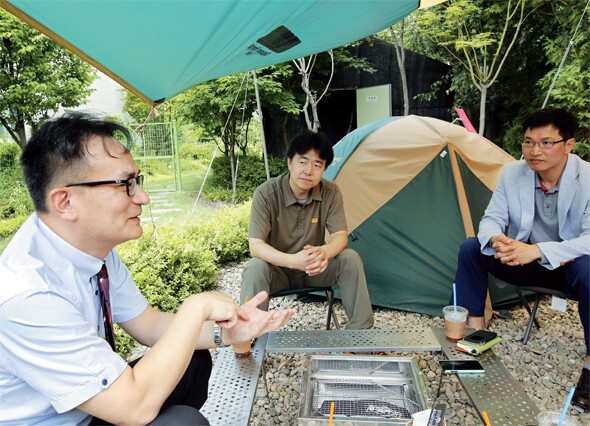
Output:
x,y
107,98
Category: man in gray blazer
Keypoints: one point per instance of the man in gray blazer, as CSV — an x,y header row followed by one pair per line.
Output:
x,y
544,201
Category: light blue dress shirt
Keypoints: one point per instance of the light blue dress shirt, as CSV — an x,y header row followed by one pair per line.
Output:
x,y
53,355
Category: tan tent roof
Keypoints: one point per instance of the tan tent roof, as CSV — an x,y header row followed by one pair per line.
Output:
x,y
395,153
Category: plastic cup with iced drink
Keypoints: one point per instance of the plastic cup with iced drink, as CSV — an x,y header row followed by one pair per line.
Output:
x,y
242,349
455,321
551,418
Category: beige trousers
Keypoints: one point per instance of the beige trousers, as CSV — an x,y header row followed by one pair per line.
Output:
x,y
346,270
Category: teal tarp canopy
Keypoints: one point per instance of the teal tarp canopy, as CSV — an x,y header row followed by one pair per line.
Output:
x,y
160,48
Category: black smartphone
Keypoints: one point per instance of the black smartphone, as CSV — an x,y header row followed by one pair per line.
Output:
x,y
461,366
480,337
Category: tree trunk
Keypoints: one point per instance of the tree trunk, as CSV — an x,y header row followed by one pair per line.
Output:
x,y
482,108
308,100
305,66
22,134
285,138
401,63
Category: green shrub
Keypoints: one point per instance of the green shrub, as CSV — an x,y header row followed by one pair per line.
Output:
x,y
182,260
11,225
14,196
125,343
9,155
226,233
215,193
193,151
169,268
251,173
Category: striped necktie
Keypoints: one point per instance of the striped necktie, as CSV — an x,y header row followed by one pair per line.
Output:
x,y
103,289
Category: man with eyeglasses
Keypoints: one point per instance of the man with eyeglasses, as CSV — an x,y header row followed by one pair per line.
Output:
x,y
62,285
544,201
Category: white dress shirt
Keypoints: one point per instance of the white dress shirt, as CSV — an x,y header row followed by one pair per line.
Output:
x,y
53,355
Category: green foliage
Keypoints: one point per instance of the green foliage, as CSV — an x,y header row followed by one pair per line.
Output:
x,y
214,104
540,55
251,173
478,37
9,155
37,77
14,196
526,73
17,203
195,151
226,234
182,260
125,342
216,193
142,112
170,267
9,226
224,108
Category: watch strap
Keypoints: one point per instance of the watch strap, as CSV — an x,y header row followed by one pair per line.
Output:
x,y
217,336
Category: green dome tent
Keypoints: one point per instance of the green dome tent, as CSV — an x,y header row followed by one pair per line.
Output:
x,y
414,188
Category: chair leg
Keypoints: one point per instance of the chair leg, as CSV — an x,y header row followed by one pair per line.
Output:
x,y
530,325
526,305
331,313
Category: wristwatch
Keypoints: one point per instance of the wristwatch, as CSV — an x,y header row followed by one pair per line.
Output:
x,y
217,336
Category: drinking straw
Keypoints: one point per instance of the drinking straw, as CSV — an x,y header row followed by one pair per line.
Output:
x,y
331,413
567,404
486,418
246,300
455,298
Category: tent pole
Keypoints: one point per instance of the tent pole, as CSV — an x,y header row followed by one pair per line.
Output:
x,y
262,138
467,222
461,195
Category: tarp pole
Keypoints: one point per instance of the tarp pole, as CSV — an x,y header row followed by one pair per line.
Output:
x,y
262,139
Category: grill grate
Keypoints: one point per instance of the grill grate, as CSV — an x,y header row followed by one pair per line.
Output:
x,y
353,398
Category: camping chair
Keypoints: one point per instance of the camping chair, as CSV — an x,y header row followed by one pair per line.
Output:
x,y
302,291
539,291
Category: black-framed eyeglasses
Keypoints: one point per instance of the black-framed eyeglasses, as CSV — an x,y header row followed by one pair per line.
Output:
x,y
131,183
545,144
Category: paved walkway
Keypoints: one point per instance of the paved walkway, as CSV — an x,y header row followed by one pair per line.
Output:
x,y
159,204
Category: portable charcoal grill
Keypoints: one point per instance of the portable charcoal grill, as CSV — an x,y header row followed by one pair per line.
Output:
x,y
364,389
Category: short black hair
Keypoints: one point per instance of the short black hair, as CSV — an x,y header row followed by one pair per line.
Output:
x,y
307,140
58,146
563,121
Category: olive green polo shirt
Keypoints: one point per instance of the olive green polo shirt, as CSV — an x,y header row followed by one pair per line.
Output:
x,y
279,220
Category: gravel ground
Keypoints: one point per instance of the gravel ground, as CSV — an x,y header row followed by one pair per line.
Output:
x,y
547,367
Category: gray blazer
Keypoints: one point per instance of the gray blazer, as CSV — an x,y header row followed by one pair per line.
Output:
x,y
513,204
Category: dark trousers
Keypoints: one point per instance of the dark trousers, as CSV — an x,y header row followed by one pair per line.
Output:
x,y
472,280
189,395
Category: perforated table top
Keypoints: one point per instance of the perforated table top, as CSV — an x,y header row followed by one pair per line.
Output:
x,y
419,339
233,382
232,386
495,391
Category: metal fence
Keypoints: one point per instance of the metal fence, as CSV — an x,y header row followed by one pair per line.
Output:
x,y
155,149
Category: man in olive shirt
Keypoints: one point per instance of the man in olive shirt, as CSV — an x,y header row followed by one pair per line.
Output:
x,y
290,216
